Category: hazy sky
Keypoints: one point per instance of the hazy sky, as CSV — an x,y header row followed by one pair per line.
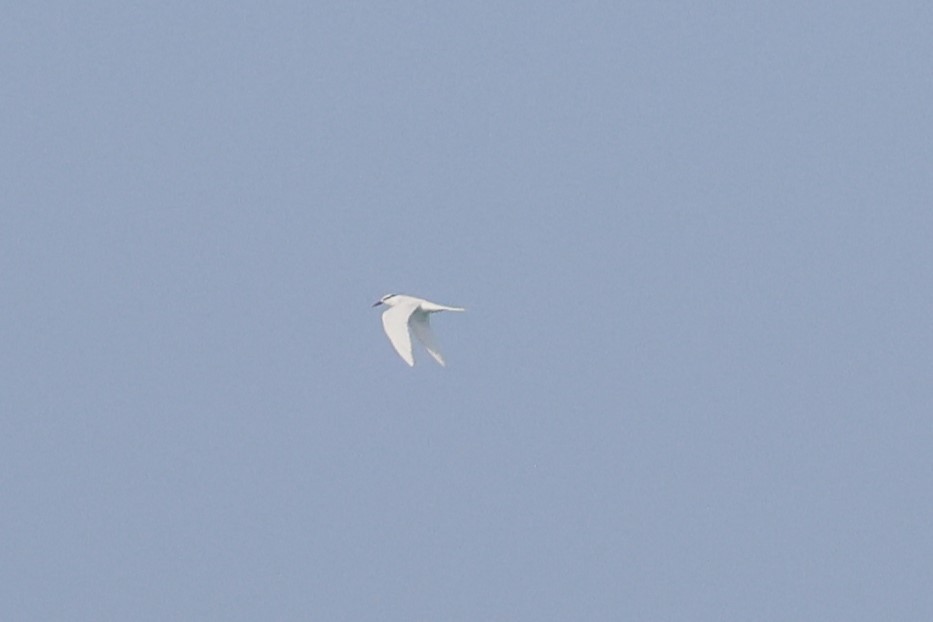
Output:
x,y
694,380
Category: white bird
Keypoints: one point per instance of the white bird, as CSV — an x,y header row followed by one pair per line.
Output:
x,y
407,313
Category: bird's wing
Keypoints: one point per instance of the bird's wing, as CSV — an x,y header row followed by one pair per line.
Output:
x,y
421,325
395,323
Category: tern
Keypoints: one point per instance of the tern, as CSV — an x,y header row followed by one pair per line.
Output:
x,y
406,315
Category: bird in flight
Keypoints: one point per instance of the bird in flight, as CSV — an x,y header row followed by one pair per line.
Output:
x,y
406,315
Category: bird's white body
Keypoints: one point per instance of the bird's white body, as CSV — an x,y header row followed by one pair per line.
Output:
x,y
406,315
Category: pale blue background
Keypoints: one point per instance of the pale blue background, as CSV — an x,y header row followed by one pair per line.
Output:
x,y
695,240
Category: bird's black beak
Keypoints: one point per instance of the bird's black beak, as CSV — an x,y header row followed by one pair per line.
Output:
x,y
377,303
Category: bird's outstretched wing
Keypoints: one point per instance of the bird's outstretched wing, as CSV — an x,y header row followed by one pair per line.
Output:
x,y
395,323
420,324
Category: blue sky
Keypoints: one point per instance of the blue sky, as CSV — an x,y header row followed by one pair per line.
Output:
x,y
693,381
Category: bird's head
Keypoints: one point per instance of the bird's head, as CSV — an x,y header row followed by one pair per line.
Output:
x,y
385,300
